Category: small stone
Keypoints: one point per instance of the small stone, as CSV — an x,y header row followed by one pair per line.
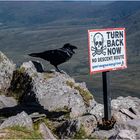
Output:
x,y
68,129
45,131
89,123
7,101
21,119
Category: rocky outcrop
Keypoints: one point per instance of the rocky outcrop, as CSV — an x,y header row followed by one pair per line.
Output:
x,y
65,107
53,90
6,72
126,116
126,112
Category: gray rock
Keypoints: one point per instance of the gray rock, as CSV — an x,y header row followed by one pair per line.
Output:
x,y
132,125
124,135
45,131
98,111
21,119
7,101
104,134
125,103
126,108
68,129
53,91
129,125
120,117
126,112
6,72
89,123
127,130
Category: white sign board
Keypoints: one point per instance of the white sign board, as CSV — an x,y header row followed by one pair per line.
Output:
x,y
107,49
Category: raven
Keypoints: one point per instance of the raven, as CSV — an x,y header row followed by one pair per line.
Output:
x,y
57,56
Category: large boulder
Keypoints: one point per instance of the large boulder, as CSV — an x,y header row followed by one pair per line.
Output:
x,y
53,90
6,72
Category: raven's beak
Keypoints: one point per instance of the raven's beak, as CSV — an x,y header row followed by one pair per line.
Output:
x,y
74,47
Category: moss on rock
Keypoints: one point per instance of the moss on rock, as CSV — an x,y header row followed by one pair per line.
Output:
x,y
47,75
81,134
86,95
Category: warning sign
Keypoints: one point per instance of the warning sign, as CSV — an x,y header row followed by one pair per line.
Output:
x,y
107,49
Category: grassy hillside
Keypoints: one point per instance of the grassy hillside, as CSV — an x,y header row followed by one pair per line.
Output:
x,y
27,27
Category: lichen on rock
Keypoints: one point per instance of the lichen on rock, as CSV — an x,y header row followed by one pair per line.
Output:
x,y
6,72
86,95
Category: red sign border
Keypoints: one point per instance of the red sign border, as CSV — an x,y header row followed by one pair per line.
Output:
x,y
111,69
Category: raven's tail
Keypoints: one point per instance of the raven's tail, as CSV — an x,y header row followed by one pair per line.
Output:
x,y
34,54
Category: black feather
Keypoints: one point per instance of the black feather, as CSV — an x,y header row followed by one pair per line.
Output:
x,y
57,56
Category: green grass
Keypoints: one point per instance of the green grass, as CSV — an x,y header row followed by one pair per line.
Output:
x,y
18,132
1,58
50,124
80,134
21,70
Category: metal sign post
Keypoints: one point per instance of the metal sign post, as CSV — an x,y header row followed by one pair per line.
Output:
x,y
107,52
106,96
